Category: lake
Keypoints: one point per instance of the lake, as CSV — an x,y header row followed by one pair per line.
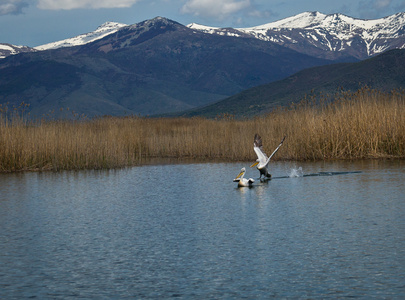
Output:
x,y
316,230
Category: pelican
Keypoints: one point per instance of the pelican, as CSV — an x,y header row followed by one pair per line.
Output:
x,y
243,181
262,159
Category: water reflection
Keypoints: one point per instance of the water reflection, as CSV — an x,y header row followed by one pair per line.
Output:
x,y
316,230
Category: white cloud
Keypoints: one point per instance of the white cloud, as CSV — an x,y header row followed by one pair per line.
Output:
x,y
74,4
12,6
214,8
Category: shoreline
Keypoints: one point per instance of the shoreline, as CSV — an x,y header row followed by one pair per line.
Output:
x,y
186,161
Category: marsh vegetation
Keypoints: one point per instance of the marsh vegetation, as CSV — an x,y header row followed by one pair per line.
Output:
x,y
349,125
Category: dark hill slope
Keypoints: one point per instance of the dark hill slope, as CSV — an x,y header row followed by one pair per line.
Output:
x,y
156,66
384,72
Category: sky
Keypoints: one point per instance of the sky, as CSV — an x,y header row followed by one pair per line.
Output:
x,y
37,22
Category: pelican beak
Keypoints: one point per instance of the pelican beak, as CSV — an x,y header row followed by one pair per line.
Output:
x,y
239,175
255,164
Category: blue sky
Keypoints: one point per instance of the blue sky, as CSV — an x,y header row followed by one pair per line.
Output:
x,y
37,22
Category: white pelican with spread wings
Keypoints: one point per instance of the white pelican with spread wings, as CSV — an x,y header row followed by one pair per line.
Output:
x,y
262,159
243,181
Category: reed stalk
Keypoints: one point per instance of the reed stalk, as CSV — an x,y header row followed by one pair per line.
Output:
x,y
348,125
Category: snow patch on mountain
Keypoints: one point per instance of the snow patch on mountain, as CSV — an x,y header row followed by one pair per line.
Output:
x,y
102,31
8,49
204,28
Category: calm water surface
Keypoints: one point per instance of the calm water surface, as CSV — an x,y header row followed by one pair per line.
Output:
x,y
187,231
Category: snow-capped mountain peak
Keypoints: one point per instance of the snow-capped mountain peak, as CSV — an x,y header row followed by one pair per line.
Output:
x,y
333,35
301,20
101,31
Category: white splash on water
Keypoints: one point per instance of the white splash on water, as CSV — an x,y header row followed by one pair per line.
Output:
x,y
294,172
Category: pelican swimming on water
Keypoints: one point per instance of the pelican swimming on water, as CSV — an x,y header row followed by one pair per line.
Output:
x,y
262,159
243,181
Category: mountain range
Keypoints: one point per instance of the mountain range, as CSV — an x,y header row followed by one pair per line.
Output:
x,y
327,36
314,33
159,66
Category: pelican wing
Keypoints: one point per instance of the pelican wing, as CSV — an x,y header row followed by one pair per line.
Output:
x,y
274,152
258,147
258,143
261,156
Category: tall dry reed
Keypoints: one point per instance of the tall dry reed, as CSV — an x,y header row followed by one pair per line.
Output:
x,y
364,124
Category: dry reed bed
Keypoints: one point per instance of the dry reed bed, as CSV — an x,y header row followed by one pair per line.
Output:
x,y
364,124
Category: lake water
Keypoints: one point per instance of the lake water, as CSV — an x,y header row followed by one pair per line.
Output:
x,y
186,231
